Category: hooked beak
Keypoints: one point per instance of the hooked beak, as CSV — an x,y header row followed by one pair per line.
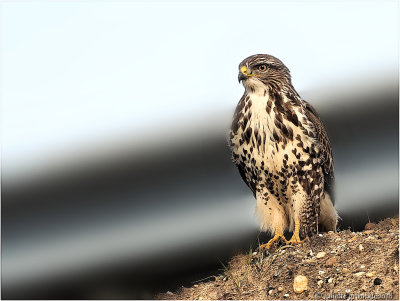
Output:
x,y
241,76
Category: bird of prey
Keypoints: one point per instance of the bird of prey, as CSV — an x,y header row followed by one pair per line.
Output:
x,y
283,153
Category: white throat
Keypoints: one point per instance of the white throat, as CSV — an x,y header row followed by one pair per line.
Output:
x,y
254,86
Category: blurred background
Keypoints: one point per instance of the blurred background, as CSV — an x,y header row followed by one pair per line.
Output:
x,y
117,181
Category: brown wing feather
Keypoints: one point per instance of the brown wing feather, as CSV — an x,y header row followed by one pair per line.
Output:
x,y
326,150
234,128
251,185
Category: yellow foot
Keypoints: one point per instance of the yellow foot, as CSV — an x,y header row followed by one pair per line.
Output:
x,y
295,240
278,235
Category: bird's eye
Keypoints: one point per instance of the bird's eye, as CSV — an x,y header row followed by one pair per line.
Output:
x,y
262,67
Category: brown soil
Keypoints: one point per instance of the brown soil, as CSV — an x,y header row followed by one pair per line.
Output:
x,y
362,265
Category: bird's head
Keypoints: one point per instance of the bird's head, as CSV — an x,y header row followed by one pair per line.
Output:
x,y
262,71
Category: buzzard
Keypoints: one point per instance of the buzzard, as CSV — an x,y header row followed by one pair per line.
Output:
x,y
283,153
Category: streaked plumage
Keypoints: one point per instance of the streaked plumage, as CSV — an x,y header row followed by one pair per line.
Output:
x,y
282,150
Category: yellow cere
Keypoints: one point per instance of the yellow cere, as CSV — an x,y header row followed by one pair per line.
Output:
x,y
243,69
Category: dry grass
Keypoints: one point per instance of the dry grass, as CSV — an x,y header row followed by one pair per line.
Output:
x,y
363,265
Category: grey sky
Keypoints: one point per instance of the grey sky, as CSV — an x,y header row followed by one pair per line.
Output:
x,y
77,71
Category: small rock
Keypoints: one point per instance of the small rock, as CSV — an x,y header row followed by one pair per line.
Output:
x,y
348,291
321,272
321,254
331,261
201,298
362,266
270,292
368,232
320,235
377,281
360,247
255,253
330,280
280,288
212,296
359,274
370,226
345,270
364,288
369,274
300,284
352,239
286,296
170,293
320,282
225,278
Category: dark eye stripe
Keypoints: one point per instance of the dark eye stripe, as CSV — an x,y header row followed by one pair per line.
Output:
x,y
267,65
258,65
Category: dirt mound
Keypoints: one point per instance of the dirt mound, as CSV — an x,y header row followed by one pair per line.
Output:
x,y
343,265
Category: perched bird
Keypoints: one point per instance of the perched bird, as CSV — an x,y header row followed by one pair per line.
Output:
x,y
283,153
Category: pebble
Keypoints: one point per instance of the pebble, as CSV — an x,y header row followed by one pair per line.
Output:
x,y
360,247
352,239
362,266
321,254
345,270
286,296
369,274
320,282
213,296
170,293
377,281
370,226
300,284
359,274
331,261
280,288
368,232
270,292
321,272
320,235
